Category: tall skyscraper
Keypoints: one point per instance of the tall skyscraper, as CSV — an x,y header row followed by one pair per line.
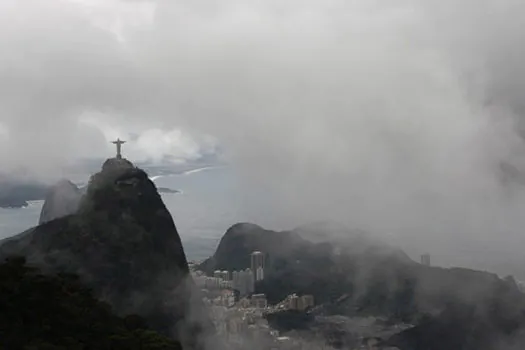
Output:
x,y
243,282
250,281
425,259
258,265
259,274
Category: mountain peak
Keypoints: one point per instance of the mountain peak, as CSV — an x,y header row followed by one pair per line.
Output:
x,y
124,244
120,188
244,228
117,164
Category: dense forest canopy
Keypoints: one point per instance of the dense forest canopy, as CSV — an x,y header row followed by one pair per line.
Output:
x,y
42,312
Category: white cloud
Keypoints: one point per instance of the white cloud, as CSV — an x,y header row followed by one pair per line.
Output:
x,y
392,115
116,16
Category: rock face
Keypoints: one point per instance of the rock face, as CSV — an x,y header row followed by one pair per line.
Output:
x,y
62,199
123,243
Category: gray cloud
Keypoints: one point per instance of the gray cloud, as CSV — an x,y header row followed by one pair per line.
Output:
x,y
393,116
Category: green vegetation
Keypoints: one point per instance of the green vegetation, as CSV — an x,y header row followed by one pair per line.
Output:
x,y
41,312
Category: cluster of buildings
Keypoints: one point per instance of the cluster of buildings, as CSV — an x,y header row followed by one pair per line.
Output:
x,y
244,326
239,314
299,303
243,281
218,281
259,301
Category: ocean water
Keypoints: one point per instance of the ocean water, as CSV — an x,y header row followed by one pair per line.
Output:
x,y
213,199
209,203
13,221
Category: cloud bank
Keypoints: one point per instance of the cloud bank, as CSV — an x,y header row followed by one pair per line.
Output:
x,y
393,116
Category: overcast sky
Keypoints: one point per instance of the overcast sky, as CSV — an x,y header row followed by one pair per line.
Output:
x,y
389,115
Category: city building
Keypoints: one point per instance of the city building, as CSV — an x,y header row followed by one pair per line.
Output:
x,y
249,281
305,302
236,279
212,283
217,274
227,297
259,274
258,265
225,284
259,301
293,301
244,303
425,259
243,281
225,275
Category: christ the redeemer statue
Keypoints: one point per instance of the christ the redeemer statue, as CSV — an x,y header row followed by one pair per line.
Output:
x,y
119,144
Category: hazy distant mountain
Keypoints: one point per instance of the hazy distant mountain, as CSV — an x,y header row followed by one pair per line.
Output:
x,y
16,192
294,263
62,199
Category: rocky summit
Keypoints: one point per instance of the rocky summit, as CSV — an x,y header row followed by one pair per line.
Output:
x,y
123,243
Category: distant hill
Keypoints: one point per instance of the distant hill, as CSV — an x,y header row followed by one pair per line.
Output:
x,y
297,264
240,240
15,193
355,275
123,243
61,200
